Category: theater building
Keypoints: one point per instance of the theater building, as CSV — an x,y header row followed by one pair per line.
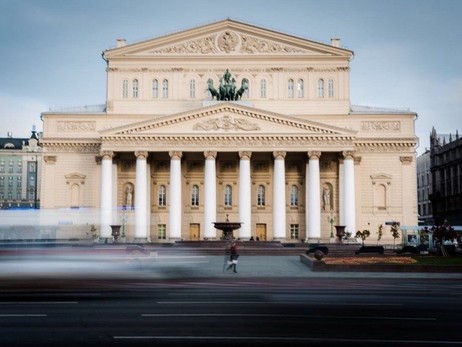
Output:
x,y
230,120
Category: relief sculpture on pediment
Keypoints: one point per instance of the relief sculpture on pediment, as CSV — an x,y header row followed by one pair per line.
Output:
x,y
226,123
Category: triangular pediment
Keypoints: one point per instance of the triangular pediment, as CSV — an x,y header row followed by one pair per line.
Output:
x,y
227,37
227,118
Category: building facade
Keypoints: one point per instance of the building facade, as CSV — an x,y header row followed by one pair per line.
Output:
x,y
424,189
230,120
20,163
446,176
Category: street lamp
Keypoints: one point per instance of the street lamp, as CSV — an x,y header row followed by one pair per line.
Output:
x,y
331,220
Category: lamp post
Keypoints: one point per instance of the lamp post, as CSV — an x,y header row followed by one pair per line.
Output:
x,y
331,220
124,220
36,183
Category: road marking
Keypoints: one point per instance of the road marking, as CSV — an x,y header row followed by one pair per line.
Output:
x,y
270,302
39,302
317,316
280,338
24,315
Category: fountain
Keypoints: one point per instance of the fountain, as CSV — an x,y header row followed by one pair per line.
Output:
x,y
227,228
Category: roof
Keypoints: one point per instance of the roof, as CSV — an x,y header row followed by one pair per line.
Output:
x,y
359,109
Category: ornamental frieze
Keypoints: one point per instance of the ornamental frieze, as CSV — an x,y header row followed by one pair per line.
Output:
x,y
227,142
381,126
72,147
226,123
76,126
228,42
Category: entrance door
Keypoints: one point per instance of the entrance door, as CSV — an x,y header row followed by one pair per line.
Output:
x,y
194,231
261,232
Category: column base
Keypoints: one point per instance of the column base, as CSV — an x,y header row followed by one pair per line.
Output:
x,y
280,239
140,240
313,240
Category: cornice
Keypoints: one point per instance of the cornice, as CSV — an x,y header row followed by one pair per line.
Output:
x,y
71,145
232,108
153,142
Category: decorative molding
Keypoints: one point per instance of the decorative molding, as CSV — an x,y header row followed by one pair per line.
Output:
x,y
76,126
75,177
226,123
49,159
296,141
65,146
228,42
406,159
381,126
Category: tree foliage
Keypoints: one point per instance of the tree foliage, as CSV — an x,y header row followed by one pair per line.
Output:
x,y
363,234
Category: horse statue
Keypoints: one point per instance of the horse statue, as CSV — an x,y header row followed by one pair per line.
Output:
x,y
225,91
241,91
215,93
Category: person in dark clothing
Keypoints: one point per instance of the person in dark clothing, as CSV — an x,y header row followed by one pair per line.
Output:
x,y
233,257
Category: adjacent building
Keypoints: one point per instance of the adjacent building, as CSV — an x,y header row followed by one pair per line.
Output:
x,y
20,162
229,120
446,178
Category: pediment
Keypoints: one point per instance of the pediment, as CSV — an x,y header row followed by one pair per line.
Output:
x,y
227,118
227,37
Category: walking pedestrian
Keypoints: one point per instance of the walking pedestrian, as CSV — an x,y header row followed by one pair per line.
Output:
x,y
233,257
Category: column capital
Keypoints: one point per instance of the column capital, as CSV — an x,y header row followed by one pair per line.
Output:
x,y
210,155
141,154
315,155
106,154
175,154
348,154
245,155
279,154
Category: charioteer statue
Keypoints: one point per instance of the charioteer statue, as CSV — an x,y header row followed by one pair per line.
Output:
x,y
227,91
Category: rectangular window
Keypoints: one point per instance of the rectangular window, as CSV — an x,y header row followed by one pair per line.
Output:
x,y
294,232
161,232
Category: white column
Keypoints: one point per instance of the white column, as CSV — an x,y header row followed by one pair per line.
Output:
x,y
175,196
210,202
349,201
314,196
141,228
245,196
106,194
279,197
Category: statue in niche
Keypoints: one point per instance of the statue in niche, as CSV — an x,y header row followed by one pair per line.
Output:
x,y
129,197
326,198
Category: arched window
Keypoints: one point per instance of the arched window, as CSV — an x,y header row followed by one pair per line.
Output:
x,y
321,88
261,199
228,196
195,195
135,88
125,89
155,88
331,88
165,89
263,88
294,196
290,88
300,91
192,88
162,196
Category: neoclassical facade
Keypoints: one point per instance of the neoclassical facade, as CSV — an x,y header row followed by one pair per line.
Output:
x,y
230,120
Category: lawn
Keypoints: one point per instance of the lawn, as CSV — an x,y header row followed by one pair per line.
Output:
x,y
414,260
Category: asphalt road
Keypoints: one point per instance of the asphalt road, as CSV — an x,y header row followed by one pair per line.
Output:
x,y
237,312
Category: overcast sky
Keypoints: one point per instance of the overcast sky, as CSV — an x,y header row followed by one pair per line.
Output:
x,y
408,53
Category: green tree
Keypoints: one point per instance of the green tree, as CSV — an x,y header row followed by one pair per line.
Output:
x,y
363,234
395,232
379,233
